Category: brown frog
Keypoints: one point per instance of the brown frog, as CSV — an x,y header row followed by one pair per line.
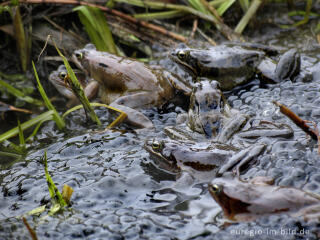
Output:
x,y
128,84
247,201
57,78
206,158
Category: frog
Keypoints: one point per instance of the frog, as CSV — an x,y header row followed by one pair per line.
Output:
x,y
128,84
209,112
215,122
57,78
210,115
248,200
207,159
234,64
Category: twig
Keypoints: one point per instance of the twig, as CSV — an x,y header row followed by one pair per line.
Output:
x,y
31,231
298,121
224,29
5,106
314,133
44,48
114,12
63,30
210,40
212,10
194,28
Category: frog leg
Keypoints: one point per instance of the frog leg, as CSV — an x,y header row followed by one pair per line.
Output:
x,y
309,213
138,100
231,127
242,158
127,104
181,86
91,89
266,70
262,180
134,117
288,67
277,130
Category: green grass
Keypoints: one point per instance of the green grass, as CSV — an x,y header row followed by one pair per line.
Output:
x,y
95,24
56,117
77,89
19,94
46,116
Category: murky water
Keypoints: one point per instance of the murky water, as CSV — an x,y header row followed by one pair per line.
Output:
x,y
119,193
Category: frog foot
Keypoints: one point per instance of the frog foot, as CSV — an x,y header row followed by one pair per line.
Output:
x,y
288,66
134,117
273,130
241,159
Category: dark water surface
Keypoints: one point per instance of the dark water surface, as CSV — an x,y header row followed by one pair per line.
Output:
x,y
119,193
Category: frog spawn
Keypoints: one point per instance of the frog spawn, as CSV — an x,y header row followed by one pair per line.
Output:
x,y
207,120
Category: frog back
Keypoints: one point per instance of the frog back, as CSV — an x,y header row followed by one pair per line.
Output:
x,y
231,66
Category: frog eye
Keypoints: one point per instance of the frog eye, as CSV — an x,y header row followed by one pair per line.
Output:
x,y
215,188
78,55
156,145
215,85
181,54
63,75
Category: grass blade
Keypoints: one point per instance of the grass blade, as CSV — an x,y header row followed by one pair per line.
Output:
x,y
159,15
36,129
224,29
77,89
249,14
14,131
306,15
9,154
21,39
225,6
30,229
116,122
97,28
53,190
19,94
198,6
56,117
21,137
67,193
244,5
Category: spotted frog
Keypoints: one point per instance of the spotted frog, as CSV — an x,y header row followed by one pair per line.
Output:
x,y
234,65
246,201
